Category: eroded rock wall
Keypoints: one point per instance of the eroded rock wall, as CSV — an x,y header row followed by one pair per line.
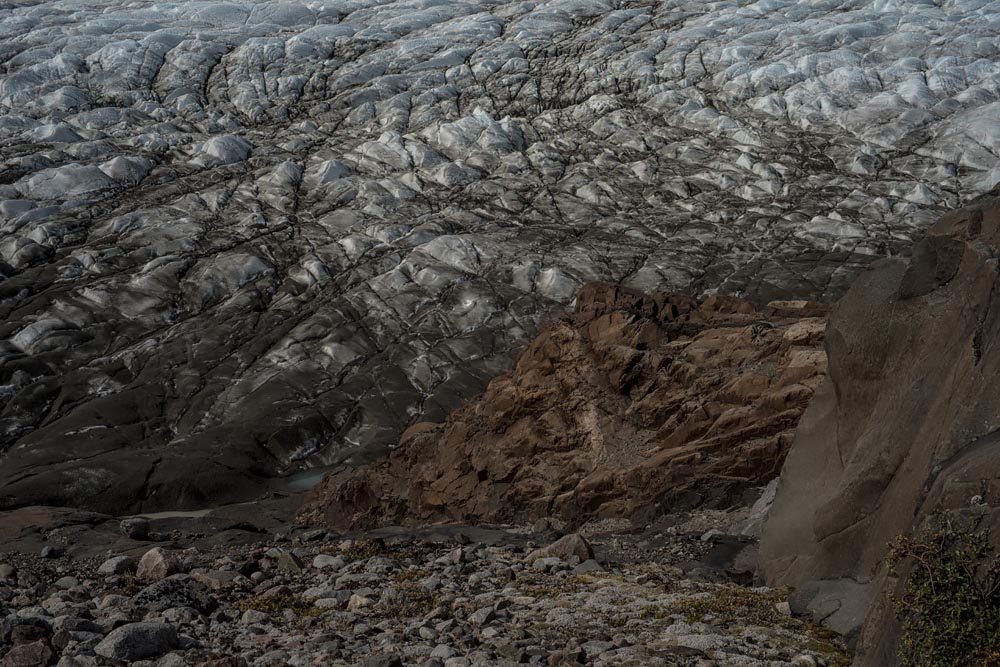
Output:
x,y
633,405
904,427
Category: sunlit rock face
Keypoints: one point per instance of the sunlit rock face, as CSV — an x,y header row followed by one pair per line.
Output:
x,y
239,237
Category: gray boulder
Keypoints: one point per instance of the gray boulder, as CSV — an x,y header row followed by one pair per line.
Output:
x,y
138,641
118,565
169,593
565,548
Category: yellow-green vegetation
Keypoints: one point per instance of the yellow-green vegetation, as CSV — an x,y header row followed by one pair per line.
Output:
x,y
950,604
363,548
735,604
278,605
130,585
548,587
410,575
827,643
409,601
653,611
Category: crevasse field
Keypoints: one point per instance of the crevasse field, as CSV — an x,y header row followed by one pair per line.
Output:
x,y
237,238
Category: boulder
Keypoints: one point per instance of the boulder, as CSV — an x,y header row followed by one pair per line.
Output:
x,y
158,563
138,641
216,580
135,528
904,428
572,545
37,653
328,562
118,565
289,562
175,592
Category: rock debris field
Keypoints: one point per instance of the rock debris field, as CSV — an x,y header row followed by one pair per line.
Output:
x,y
241,238
368,603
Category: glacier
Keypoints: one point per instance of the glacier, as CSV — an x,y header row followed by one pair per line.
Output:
x,y
239,238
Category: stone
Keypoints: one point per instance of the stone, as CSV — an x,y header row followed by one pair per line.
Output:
x,y
328,562
387,660
168,593
588,566
216,580
50,551
547,563
444,651
38,653
138,641
357,602
134,528
24,630
281,591
75,624
7,571
118,565
289,562
253,617
483,616
172,660
66,582
328,603
158,563
565,548
595,648
314,535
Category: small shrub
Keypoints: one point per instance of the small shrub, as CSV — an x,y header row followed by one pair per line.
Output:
x,y
277,605
653,611
736,603
409,601
363,549
950,605
410,575
130,585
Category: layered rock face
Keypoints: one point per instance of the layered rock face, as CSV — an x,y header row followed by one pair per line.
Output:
x,y
238,237
633,405
904,428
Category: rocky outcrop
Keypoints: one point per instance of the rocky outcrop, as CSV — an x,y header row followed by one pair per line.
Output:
x,y
632,404
904,428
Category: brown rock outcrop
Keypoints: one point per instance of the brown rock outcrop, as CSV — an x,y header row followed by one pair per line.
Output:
x,y
633,404
906,426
